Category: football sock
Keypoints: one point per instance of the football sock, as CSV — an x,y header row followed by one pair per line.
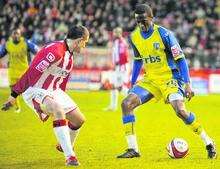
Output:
x,y
74,131
114,99
197,128
61,131
193,123
128,122
132,142
206,139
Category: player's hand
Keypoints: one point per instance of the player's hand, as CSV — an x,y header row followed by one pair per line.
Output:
x,y
188,92
7,105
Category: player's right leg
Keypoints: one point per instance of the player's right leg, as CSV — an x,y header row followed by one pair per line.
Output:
x,y
61,129
75,121
136,97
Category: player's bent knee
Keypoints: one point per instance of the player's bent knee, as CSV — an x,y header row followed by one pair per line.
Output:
x,y
126,105
76,118
76,124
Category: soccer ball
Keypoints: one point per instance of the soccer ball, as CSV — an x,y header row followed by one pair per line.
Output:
x,y
177,148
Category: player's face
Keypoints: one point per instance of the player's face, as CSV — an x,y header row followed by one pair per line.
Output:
x,y
81,42
117,33
144,22
16,35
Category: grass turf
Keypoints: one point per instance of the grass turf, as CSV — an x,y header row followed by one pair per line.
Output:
x,y
25,142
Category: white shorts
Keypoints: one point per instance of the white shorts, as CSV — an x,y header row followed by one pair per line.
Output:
x,y
175,96
33,96
119,78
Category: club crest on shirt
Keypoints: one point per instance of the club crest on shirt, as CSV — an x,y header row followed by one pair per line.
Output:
x,y
50,57
156,45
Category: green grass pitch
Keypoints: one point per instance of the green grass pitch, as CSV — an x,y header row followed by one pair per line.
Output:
x,y
25,142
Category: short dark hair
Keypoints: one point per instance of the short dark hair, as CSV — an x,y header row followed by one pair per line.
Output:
x,y
143,8
75,32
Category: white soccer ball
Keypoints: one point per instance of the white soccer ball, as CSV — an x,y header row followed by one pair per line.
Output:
x,y
177,148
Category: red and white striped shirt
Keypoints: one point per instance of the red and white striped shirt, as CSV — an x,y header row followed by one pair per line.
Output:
x,y
120,53
50,69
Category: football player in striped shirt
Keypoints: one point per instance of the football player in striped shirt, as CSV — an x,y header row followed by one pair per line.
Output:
x,y
43,88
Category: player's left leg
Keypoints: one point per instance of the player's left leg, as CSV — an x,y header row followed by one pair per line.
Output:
x,y
75,121
12,81
125,81
113,99
17,101
17,105
189,119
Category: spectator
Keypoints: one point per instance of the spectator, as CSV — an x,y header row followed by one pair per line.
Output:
x,y
195,22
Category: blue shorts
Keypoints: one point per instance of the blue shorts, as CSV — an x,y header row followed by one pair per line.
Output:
x,y
143,94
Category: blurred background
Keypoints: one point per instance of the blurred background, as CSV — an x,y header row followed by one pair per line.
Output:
x,y
196,24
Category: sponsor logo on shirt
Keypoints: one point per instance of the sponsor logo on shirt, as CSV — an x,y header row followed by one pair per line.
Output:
x,y
42,66
152,59
176,51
